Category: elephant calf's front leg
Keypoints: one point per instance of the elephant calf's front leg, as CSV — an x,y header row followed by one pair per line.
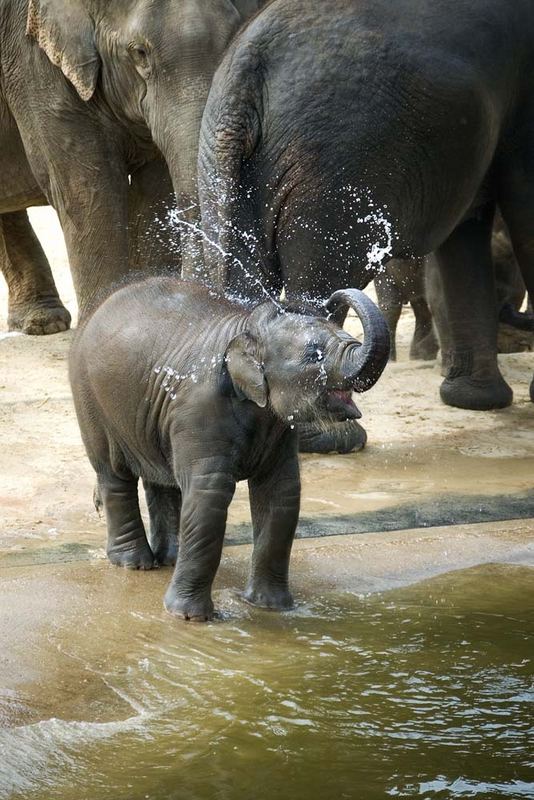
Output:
x,y
274,502
202,526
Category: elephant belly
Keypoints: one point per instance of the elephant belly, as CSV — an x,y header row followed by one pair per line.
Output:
x,y
18,187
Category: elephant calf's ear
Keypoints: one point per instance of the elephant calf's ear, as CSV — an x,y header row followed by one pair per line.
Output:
x,y
65,31
245,369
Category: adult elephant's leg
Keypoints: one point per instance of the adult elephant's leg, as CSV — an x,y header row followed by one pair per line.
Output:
x,y
127,543
424,343
516,201
206,498
34,304
164,503
467,277
274,503
153,240
87,184
95,225
435,296
390,304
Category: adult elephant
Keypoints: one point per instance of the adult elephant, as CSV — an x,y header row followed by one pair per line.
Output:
x,y
340,133
92,94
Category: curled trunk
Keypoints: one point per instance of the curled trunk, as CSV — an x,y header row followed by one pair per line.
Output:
x,y
362,364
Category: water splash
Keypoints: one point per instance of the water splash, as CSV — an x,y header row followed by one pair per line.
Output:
x,y
363,241
176,218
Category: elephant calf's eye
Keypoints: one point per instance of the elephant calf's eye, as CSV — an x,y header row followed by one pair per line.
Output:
x,y
315,354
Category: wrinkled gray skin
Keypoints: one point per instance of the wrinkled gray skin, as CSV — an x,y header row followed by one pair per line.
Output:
x,y
515,330
415,281
192,393
424,108
90,92
402,281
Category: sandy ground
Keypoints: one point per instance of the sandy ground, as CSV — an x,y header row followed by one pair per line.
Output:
x,y
426,464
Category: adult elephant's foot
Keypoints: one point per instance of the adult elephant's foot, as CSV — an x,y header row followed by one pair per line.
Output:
x,y
425,348
39,318
476,394
340,437
135,556
197,607
268,595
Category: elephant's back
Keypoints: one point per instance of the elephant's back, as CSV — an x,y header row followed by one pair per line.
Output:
x,y
406,101
146,321
124,356
151,306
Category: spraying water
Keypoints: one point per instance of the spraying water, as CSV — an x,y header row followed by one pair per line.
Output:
x,y
368,226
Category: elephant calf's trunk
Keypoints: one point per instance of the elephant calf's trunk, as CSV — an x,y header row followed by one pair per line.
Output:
x,y
363,364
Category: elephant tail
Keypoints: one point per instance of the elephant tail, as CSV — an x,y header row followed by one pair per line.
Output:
x,y
230,132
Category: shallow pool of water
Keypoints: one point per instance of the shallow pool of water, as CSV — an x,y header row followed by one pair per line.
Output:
x,y
422,692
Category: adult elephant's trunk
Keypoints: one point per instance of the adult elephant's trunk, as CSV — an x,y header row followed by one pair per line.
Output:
x,y
177,138
177,105
362,364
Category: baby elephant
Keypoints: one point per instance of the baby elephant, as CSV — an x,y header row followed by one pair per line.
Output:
x,y
193,392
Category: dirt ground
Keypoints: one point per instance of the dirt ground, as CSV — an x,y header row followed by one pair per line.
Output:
x,y
426,466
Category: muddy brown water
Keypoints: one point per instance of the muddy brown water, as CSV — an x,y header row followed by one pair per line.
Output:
x,y
424,692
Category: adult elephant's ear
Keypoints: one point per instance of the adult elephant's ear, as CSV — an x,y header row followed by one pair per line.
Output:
x,y
244,368
65,31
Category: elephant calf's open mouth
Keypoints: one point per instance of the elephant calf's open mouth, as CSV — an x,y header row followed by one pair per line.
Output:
x,y
340,405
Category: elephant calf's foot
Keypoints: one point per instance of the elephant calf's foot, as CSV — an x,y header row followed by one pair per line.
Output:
x,y
268,595
39,318
340,437
197,608
166,554
137,556
476,394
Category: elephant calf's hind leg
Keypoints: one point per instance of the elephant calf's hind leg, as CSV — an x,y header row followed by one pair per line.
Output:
x,y
164,504
127,542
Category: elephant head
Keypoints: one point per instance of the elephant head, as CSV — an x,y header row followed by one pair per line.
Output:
x,y
148,64
305,366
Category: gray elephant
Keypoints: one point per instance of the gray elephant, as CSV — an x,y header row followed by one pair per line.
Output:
x,y
193,392
340,134
92,94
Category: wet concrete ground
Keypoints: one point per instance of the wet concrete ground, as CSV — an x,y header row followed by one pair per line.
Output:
x,y
47,604
428,476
